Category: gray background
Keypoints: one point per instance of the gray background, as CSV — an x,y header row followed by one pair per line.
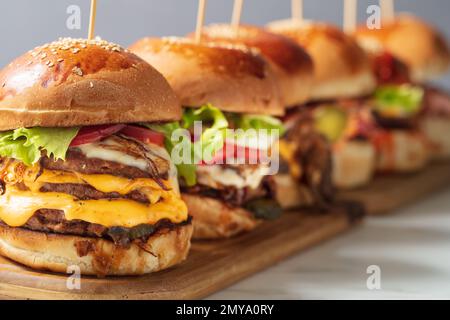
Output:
x,y
25,24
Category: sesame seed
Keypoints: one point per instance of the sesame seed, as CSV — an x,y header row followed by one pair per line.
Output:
x,y
77,71
75,44
91,84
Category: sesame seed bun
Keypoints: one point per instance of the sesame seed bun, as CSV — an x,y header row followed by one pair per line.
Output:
x,y
232,78
74,82
292,65
341,67
411,40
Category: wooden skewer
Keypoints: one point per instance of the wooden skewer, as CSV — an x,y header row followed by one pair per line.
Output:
x,y
92,19
297,10
200,20
350,15
237,13
387,10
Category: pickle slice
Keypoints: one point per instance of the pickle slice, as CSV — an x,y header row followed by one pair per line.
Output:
x,y
331,122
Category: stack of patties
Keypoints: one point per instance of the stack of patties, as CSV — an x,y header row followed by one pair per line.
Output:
x,y
80,184
305,176
342,79
421,48
223,87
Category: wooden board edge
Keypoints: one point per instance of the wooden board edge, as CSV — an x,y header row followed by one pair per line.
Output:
x,y
334,226
432,179
314,240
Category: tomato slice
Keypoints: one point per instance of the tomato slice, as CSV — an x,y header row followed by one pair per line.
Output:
x,y
95,133
143,134
389,69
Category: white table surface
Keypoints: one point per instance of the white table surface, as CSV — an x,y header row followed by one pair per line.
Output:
x,y
411,247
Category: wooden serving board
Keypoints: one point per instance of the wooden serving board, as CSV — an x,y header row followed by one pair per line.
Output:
x,y
211,266
389,192
215,265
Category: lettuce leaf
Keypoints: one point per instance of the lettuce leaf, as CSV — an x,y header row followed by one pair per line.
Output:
x,y
213,137
251,121
26,144
398,100
185,170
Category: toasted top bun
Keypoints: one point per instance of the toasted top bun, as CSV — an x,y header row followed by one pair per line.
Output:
x,y
342,69
74,82
292,65
232,78
411,40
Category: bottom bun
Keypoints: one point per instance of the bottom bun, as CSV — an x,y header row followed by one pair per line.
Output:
x,y
213,219
290,194
437,130
353,164
59,253
401,151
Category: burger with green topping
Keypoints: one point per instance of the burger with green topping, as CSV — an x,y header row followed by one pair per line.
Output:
x,y
84,181
223,87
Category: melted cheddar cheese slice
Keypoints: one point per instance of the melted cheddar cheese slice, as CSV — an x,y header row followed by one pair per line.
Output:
x,y
18,206
287,153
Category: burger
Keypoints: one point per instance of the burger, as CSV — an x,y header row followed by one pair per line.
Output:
x,y
427,56
386,125
84,182
342,79
424,52
305,176
223,87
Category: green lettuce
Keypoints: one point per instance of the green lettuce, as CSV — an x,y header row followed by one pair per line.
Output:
x,y
185,170
25,144
214,125
251,121
398,100
213,137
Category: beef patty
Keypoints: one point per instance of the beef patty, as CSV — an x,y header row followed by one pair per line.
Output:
x,y
53,221
312,151
86,192
76,161
234,197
